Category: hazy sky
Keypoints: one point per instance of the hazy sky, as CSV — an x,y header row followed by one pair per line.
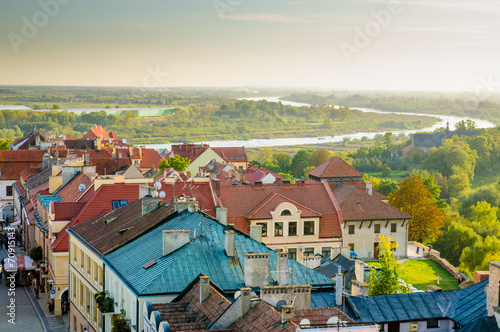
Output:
x,y
415,44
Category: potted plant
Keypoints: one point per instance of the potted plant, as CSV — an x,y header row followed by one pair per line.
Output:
x,y
99,297
120,323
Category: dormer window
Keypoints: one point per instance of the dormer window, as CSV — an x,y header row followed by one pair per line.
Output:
x,y
286,213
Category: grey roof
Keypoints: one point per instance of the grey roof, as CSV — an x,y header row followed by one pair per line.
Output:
x,y
329,268
203,254
325,299
428,140
462,306
482,324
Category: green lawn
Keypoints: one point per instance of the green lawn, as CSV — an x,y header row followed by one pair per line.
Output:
x,y
421,273
395,175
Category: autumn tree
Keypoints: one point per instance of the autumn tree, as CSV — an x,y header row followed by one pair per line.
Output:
x,y
414,199
385,280
175,162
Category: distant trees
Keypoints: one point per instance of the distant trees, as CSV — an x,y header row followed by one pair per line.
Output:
x,y
466,125
5,144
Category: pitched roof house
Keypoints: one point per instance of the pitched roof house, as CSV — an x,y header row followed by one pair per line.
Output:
x,y
302,219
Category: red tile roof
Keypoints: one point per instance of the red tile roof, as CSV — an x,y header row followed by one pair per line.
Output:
x,y
150,158
13,162
96,131
241,200
202,191
113,135
319,316
65,211
263,210
191,151
262,317
232,154
30,172
335,168
70,192
358,205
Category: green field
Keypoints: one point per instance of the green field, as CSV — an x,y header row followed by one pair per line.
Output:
x,y
396,175
421,273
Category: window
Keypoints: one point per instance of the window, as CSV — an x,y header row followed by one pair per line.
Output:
x,y
351,246
89,266
117,204
292,253
308,252
9,190
377,228
74,252
292,228
351,229
432,323
82,258
308,227
286,213
264,228
278,229
326,251
393,228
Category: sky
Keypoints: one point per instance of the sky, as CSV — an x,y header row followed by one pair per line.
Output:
x,y
445,45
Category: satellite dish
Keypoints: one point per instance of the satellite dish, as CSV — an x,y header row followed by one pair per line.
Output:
x,y
162,194
280,304
305,321
333,320
81,187
237,294
157,185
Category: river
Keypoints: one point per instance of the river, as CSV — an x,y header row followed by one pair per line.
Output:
x,y
258,142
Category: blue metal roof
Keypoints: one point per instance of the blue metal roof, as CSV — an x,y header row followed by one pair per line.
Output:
x,y
46,199
203,254
462,306
325,299
483,324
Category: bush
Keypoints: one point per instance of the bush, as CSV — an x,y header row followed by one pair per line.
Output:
x,y
36,253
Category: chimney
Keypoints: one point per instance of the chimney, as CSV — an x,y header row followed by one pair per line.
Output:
x,y
192,205
339,287
87,160
140,150
257,184
204,288
256,233
369,188
300,295
312,262
174,239
45,160
286,313
359,270
229,243
221,215
345,251
246,300
282,273
256,270
217,187
149,204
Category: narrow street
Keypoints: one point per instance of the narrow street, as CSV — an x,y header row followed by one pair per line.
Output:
x,y
27,313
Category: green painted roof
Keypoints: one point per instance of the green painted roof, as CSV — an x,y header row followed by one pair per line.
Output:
x,y
203,254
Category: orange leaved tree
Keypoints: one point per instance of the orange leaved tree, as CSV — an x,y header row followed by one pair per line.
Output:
x,y
414,199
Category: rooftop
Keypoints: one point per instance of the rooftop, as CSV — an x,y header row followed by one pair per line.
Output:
x,y
335,168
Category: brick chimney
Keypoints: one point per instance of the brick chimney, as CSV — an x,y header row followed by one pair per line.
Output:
x,y
369,188
256,270
174,239
339,288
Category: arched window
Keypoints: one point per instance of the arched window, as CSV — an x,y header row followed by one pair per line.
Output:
x,y
286,213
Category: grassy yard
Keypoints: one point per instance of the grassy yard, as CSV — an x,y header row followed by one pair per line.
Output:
x,y
395,175
421,273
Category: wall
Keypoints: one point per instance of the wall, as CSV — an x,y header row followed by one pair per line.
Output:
x,y
300,240
445,325
444,263
364,238
494,288
203,160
